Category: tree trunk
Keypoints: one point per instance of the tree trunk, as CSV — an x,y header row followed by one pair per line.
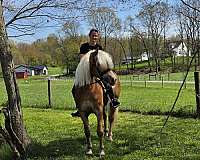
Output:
x,y
14,125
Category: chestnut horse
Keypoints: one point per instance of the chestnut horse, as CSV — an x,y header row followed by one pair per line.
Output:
x,y
89,94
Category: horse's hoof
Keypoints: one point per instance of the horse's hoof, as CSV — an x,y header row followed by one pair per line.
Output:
x,y
110,138
89,152
101,154
106,134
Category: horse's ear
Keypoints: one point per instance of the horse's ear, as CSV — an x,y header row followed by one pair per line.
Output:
x,y
95,52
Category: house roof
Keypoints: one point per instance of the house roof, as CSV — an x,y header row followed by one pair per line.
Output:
x,y
173,44
39,67
23,65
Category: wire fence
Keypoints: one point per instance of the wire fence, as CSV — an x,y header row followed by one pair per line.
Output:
x,y
138,95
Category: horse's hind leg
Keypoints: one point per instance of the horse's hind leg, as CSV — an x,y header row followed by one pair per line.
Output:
x,y
112,116
100,132
85,120
105,123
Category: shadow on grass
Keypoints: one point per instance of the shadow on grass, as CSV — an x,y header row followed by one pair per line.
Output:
x,y
74,148
70,146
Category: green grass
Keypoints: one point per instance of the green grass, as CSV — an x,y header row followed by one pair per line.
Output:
x,y
153,98
34,93
165,76
165,66
55,70
134,96
56,135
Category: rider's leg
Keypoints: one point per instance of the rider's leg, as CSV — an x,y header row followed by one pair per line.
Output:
x,y
109,91
76,113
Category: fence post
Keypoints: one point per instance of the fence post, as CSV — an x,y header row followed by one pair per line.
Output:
x,y
145,83
49,92
168,76
196,79
162,82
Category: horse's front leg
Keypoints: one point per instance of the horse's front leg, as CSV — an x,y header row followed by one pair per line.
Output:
x,y
100,132
85,120
112,116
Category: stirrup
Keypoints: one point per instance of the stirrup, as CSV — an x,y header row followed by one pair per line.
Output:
x,y
75,114
115,103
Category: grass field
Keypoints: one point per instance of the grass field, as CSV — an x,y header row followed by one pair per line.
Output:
x,y
135,96
58,136
165,76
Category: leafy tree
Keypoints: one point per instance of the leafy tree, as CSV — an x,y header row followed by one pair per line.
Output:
x,y
52,45
17,56
69,43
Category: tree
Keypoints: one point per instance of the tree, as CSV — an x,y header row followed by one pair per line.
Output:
x,y
17,56
141,35
14,131
135,49
105,20
154,17
150,23
189,24
69,43
24,16
52,45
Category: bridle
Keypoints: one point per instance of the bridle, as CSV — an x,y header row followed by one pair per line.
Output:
x,y
98,73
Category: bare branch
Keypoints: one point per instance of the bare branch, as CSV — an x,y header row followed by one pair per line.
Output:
x,y
196,9
23,10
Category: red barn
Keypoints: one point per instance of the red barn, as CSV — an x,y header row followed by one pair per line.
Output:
x,y
23,75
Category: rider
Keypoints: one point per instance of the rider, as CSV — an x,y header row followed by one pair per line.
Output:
x,y
85,48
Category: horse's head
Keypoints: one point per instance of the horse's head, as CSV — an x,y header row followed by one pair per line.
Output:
x,y
92,64
100,62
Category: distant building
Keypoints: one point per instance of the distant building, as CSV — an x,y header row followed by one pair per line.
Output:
x,y
143,57
178,48
127,60
23,71
40,70
22,75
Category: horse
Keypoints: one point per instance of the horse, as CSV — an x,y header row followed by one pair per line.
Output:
x,y
90,97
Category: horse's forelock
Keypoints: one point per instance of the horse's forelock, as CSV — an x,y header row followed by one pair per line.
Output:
x,y
104,60
82,76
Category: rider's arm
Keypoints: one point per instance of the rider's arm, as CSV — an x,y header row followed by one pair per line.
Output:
x,y
82,50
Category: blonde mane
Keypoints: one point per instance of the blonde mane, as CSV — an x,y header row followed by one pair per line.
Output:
x,y
82,76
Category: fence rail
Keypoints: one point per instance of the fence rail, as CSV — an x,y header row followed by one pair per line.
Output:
x,y
136,95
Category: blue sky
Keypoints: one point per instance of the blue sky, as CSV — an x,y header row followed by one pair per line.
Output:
x,y
122,13
53,27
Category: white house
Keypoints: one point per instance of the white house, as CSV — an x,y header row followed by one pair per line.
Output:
x,y
40,70
144,57
179,48
129,59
